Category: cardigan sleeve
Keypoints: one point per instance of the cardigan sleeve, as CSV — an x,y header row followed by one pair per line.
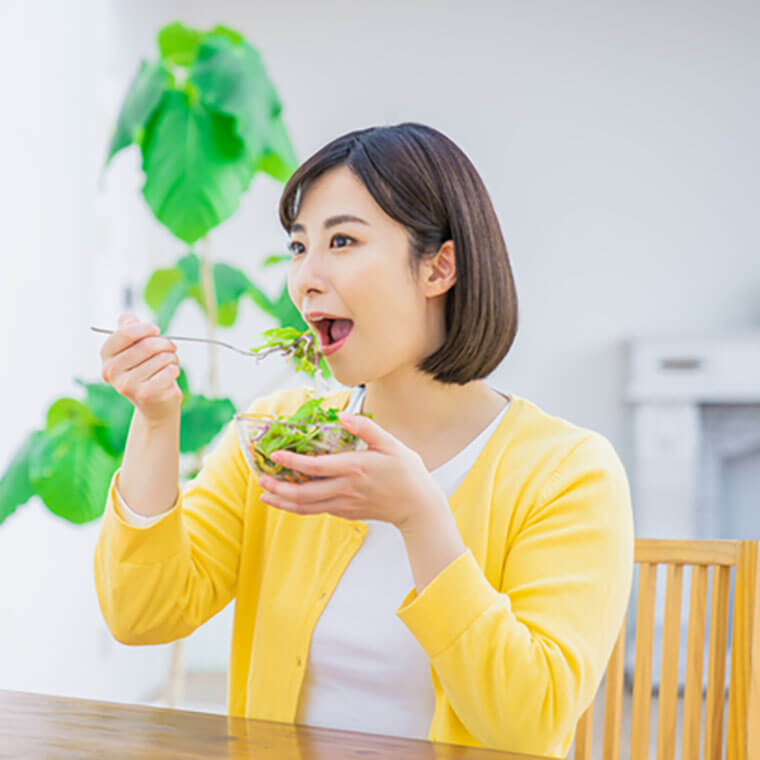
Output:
x,y
520,662
158,583
135,518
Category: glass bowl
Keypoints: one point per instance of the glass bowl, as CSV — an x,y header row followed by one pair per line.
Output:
x,y
251,427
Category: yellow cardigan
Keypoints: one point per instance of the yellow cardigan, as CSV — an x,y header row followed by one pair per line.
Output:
x,y
518,629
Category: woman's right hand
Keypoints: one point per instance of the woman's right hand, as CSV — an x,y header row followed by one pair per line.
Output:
x,y
143,367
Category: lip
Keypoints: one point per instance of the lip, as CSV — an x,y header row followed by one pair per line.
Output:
x,y
310,315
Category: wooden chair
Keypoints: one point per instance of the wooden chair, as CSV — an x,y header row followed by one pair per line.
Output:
x,y
743,736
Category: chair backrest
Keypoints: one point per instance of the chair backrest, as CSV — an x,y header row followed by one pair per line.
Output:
x,y
716,558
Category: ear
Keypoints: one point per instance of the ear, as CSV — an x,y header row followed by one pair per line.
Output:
x,y
441,272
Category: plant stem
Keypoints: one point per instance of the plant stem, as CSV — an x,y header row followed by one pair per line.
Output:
x,y
210,304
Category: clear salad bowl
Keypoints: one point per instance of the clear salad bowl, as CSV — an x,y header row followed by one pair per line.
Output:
x,y
260,435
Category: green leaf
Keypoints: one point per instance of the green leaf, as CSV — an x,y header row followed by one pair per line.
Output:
x,y
15,487
278,336
81,416
71,472
181,381
285,311
294,345
71,463
230,284
232,79
165,291
178,43
307,409
227,314
202,418
71,410
190,268
278,159
225,31
195,167
275,258
142,99
109,406
167,288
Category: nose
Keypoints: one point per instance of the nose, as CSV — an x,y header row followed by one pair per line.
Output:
x,y
307,276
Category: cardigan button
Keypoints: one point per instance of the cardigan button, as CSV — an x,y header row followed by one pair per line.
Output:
x,y
299,662
323,595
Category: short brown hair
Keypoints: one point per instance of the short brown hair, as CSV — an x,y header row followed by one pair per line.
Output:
x,y
421,179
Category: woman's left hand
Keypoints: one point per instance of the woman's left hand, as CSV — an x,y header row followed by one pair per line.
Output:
x,y
387,481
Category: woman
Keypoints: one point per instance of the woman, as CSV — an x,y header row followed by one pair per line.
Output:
x,y
465,577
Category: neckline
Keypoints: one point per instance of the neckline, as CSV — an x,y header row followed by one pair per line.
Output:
x,y
516,403
494,423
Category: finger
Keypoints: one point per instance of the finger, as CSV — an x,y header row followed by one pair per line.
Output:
x,y
301,493
127,336
368,430
129,383
163,379
333,506
321,465
145,349
146,371
135,355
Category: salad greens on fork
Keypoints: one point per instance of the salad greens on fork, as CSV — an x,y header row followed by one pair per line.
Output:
x,y
300,347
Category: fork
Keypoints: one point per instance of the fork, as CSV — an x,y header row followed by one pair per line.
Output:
x,y
286,351
320,383
202,340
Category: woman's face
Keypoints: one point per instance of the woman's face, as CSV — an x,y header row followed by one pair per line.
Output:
x,y
359,270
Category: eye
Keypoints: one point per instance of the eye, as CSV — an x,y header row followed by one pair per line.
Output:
x,y
345,237
293,243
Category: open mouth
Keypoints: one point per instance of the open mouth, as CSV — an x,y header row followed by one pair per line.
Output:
x,y
332,331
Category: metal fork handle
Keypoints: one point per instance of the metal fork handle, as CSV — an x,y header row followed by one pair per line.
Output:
x,y
180,337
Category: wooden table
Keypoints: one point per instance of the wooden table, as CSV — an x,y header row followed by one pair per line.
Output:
x,y
43,726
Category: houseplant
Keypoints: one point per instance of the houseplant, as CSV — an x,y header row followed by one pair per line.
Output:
x,y
206,119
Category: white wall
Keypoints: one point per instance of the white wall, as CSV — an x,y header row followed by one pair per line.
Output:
x,y
619,145
52,635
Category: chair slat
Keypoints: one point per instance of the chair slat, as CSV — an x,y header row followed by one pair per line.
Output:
x,y
695,658
666,721
716,666
753,698
642,672
583,735
613,698
738,695
668,551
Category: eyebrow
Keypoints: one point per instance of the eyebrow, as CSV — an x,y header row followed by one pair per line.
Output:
x,y
330,222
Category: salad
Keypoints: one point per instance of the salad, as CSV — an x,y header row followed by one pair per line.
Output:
x,y
299,347
310,430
